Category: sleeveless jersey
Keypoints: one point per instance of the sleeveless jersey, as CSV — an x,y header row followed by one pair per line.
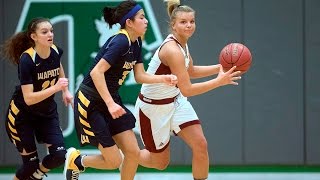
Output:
x,y
122,55
162,90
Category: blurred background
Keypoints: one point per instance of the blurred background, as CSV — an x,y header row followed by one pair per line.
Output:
x,y
270,121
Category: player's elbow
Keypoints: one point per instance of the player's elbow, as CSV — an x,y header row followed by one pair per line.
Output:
x,y
186,93
139,78
28,101
92,74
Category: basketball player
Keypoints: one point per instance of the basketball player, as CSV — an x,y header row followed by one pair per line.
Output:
x,y
162,109
101,118
32,112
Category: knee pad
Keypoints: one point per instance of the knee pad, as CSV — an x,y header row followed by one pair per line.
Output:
x,y
29,166
55,158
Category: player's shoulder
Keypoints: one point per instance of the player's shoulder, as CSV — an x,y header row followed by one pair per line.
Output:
x,y
28,55
171,47
123,38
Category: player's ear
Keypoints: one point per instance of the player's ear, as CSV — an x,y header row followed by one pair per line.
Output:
x,y
33,36
129,23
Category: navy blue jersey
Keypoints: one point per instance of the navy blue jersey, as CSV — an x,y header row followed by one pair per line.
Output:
x,y
122,55
42,73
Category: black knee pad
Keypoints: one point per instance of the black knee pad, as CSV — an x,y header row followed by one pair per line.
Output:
x,y
29,166
55,158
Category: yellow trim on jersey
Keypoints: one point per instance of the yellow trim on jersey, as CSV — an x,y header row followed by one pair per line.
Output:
x,y
15,137
12,129
14,108
83,99
32,53
90,133
11,118
125,32
82,111
85,123
55,48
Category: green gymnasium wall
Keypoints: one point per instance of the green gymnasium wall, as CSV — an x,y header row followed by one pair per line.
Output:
x,y
272,117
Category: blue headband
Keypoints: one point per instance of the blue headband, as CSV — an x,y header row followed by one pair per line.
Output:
x,y
130,14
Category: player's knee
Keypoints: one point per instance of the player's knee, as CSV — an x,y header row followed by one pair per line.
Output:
x,y
132,153
55,158
29,166
200,149
115,162
161,163
201,145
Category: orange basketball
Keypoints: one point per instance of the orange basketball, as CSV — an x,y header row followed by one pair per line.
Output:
x,y
235,54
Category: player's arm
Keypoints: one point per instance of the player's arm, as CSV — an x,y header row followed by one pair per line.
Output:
x,y
202,71
31,97
26,68
141,76
171,54
66,95
97,75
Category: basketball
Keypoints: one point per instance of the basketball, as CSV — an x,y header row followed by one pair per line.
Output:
x,y
235,54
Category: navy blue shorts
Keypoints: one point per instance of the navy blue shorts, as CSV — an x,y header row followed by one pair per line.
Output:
x,y
23,127
94,124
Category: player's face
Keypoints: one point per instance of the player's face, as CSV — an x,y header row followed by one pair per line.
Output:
x,y
184,24
140,23
43,35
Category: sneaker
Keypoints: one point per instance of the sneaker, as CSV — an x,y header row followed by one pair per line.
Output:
x,y
71,170
37,175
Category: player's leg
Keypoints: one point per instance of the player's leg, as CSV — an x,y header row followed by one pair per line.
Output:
x,y
21,133
195,139
92,127
128,144
186,125
121,130
154,123
48,131
156,160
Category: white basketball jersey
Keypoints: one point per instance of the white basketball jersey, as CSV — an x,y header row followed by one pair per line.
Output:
x,y
162,90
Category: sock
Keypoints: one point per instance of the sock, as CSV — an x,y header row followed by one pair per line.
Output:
x,y
38,174
78,162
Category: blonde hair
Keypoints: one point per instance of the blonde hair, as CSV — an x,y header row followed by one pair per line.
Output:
x,y
174,6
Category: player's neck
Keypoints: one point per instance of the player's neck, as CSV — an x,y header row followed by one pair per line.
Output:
x,y
44,53
182,41
132,35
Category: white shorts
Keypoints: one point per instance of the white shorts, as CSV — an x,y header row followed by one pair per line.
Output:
x,y
157,122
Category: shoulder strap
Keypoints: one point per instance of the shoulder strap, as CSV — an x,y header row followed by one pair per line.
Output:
x,y
54,47
31,52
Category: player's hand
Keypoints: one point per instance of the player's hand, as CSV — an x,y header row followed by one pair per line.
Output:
x,y
229,77
62,84
67,98
170,80
115,110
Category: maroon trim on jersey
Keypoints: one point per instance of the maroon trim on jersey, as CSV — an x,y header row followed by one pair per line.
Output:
x,y
146,133
163,69
155,101
187,124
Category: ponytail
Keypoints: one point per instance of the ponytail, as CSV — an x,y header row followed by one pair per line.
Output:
x,y
16,45
113,15
109,17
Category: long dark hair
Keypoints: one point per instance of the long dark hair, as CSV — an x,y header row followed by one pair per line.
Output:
x,y
112,15
18,43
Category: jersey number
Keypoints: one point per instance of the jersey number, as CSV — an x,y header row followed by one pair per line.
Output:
x,y
124,75
48,83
